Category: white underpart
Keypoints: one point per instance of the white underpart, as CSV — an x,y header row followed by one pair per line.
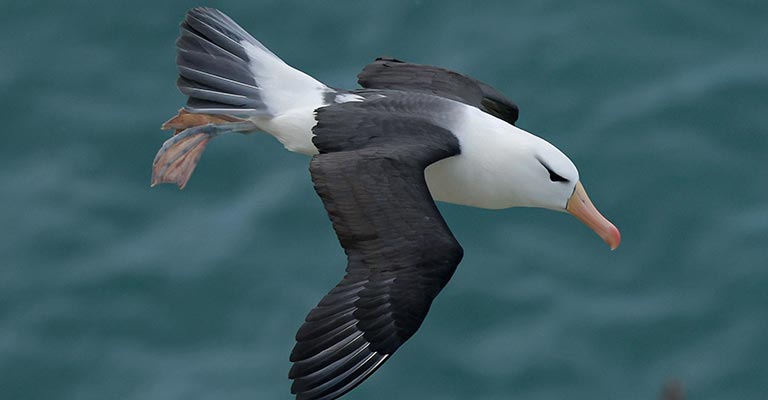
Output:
x,y
293,129
283,88
291,97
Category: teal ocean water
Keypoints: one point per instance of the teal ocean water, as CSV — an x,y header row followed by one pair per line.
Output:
x,y
112,290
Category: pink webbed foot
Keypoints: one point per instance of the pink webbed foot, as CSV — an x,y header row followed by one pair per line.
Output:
x,y
179,155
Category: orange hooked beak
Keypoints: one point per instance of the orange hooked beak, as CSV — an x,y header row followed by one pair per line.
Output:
x,y
582,208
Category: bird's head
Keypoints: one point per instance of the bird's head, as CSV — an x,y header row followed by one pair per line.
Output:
x,y
554,183
503,166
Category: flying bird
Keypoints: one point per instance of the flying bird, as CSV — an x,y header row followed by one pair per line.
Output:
x,y
380,157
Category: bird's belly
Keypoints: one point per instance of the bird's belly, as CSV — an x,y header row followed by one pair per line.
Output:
x,y
293,129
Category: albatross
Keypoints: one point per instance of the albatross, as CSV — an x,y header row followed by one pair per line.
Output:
x,y
380,158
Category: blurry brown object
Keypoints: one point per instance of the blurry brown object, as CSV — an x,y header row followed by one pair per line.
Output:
x,y
673,390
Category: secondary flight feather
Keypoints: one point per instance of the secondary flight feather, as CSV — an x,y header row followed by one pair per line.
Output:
x,y
380,156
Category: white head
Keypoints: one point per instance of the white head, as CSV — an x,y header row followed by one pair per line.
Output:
x,y
542,176
547,178
556,185
502,166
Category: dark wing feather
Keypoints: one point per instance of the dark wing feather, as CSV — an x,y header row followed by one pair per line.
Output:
x,y
390,73
400,251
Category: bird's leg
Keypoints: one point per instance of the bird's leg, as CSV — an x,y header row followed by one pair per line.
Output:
x,y
184,120
176,160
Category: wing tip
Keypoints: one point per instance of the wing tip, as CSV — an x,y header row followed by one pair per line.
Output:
x,y
329,385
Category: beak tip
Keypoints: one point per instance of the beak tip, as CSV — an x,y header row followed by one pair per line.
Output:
x,y
582,208
613,238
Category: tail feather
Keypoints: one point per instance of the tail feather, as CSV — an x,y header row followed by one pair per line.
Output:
x,y
201,106
196,51
224,31
214,66
216,73
199,91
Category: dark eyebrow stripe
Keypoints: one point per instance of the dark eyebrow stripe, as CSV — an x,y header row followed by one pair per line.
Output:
x,y
553,176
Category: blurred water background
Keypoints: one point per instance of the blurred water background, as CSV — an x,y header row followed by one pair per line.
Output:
x,y
112,290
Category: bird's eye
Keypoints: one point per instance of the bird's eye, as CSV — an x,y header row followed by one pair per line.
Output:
x,y
553,176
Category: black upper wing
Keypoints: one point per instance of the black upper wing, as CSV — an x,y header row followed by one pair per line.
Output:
x,y
370,176
390,73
